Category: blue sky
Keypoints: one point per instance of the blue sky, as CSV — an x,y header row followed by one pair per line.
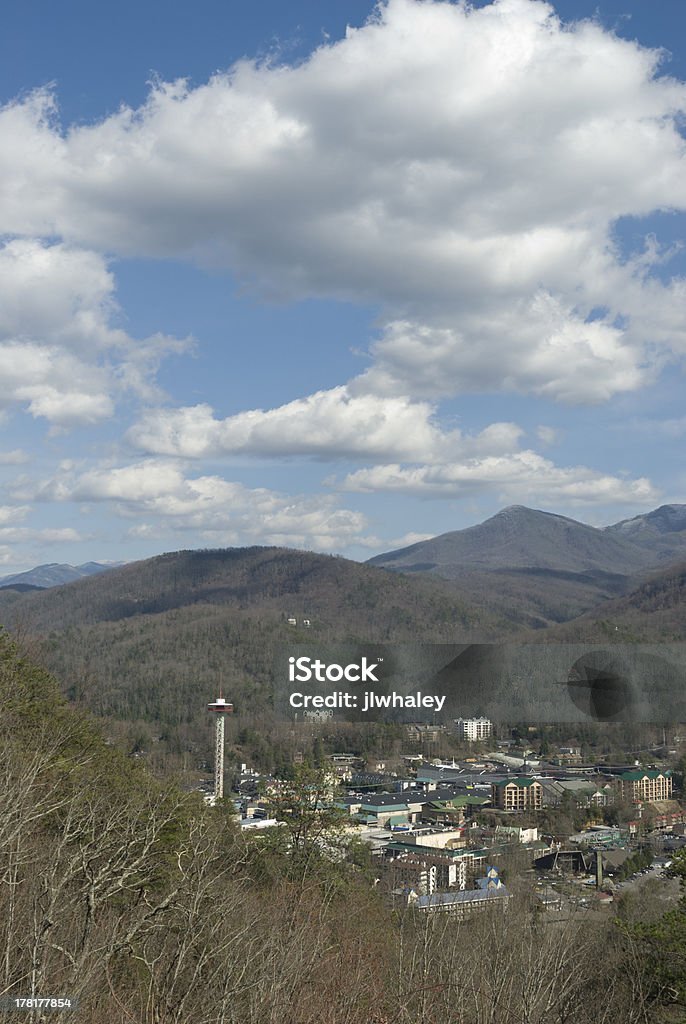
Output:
x,y
335,276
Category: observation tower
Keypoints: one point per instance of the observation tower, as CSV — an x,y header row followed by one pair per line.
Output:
x,y
220,708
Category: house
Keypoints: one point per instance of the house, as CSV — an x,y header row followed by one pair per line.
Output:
x,y
438,839
459,864
512,833
549,900
415,874
454,810
317,714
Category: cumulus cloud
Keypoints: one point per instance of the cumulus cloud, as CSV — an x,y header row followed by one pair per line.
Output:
x,y
61,358
542,349
413,454
329,424
217,510
461,168
521,476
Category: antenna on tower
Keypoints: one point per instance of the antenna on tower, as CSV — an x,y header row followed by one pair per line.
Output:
x,y
220,708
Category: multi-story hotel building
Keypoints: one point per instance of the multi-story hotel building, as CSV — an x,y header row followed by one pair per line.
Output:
x,y
643,786
518,794
473,729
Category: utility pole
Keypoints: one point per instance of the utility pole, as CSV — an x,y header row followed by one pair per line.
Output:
x,y
220,708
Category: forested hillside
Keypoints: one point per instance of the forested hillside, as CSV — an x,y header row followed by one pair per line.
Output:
x,y
339,596
654,612
150,643
146,646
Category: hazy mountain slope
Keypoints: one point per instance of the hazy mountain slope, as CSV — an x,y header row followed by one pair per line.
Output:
x,y
538,598
661,532
55,574
532,568
654,612
537,569
520,538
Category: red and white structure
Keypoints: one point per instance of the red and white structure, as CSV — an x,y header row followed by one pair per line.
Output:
x,y
220,708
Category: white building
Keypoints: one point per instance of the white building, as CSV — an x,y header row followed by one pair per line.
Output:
x,y
473,729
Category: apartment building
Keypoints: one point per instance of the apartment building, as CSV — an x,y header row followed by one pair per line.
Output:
x,y
643,786
473,729
517,794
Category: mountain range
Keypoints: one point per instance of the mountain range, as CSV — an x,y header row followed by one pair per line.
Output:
x,y
525,538
54,574
537,569
141,642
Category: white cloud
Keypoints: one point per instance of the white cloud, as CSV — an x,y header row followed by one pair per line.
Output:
x,y
60,356
14,458
522,476
328,424
461,168
132,485
395,432
49,535
541,348
13,513
547,435
217,510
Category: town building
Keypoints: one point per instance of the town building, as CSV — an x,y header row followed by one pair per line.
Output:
x,y
453,811
425,872
386,810
517,794
463,902
473,729
643,786
578,792
420,732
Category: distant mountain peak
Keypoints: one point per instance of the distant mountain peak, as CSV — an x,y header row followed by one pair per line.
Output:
x,y
525,511
663,520
521,538
55,574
